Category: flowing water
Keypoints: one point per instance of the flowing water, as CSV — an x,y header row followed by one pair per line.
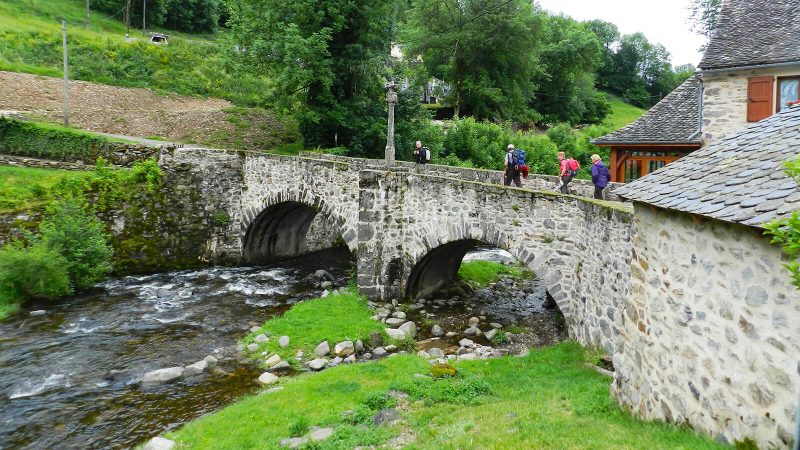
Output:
x,y
68,379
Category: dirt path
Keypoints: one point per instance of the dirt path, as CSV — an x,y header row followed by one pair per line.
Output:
x,y
139,112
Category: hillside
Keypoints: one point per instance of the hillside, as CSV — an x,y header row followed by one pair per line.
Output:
x,y
621,113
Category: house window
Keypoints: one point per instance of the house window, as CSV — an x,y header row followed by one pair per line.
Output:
x,y
759,98
788,91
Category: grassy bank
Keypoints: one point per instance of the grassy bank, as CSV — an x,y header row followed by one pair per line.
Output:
x,y
25,189
338,317
546,400
482,273
621,113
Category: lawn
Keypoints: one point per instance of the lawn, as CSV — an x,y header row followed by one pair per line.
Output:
x,y
24,188
621,113
336,318
482,273
546,400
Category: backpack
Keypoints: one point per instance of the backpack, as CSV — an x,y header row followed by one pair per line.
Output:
x,y
427,155
572,167
518,158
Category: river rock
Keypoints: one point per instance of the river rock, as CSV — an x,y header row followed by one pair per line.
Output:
x,y
466,343
490,334
163,293
409,329
211,361
391,348
280,366
367,356
38,312
416,306
472,331
375,339
322,349
325,293
336,361
359,346
344,348
378,352
474,321
252,347
399,314
436,330
450,334
267,378
255,329
283,341
386,417
163,375
394,321
196,368
159,443
261,339
423,354
395,333
495,325
272,360
350,359
436,352
318,364
320,434
468,356
296,442
323,274
326,285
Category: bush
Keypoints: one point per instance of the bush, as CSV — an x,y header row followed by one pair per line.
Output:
x,y
563,137
43,140
31,271
81,239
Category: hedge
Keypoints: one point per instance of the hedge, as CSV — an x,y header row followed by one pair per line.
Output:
x,y
44,140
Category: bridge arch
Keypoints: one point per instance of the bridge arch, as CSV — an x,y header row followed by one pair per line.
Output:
x,y
288,224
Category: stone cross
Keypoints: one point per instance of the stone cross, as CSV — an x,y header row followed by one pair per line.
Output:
x,y
391,100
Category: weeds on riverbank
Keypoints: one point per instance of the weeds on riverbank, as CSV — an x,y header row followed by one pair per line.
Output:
x,y
482,273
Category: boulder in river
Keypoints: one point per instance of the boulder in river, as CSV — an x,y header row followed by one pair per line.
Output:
x,y
395,334
323,275
399,314
267,378
211,360
196,368
344,348
322,349
466,343
272,360
378,352
159,443
163,375
163,293
436,330
283,341
394,321
409,329
436,352
326,285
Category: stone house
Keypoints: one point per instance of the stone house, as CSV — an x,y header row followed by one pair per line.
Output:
x,y
749,71
712,324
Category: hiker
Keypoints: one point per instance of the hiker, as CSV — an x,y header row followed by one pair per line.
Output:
x,y
568,168
600,176
511,167
422,155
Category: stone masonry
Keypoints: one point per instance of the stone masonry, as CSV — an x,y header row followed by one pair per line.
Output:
x,y
710,330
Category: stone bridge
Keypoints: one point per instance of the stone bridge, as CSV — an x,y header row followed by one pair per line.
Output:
x,y
410,227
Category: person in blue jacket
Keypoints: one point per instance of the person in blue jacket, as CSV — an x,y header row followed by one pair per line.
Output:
x,y
600,176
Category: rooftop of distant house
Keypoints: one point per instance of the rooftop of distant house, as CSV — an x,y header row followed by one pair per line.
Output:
x,y
738,179
673,120
754,33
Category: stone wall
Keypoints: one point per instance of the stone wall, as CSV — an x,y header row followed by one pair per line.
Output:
x,y
711,330
579,247
725,99
536,182
23,161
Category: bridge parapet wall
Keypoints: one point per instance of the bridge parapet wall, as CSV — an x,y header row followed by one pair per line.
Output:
x,y
579,247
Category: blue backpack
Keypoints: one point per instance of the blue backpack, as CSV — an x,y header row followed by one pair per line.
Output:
x,y
518,158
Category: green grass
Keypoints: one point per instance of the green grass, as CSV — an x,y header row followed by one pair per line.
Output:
x,y
293,149
24,189
621,113
338,317
546,400
30,41
481,273
7,307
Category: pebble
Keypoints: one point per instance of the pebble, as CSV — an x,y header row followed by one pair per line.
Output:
x,y
450,334
474,321
40,312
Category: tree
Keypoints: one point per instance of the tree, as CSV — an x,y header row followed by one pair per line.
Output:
x,y
327,60
485,50
704,16
786,232
193,15
156,10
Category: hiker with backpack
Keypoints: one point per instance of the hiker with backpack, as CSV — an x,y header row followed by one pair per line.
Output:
x,y
422,155
600,176
514,166
568,168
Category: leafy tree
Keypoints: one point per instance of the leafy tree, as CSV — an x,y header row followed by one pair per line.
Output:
x,y
484,49
786,232
193,15
563,137
31,271
704,16
155,11
81,239
326,58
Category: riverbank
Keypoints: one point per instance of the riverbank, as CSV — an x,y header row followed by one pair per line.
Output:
x,y
547,398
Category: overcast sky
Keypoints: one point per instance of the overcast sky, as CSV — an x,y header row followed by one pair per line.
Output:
x,y
663,22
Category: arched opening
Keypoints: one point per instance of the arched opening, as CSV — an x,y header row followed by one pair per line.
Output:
x,y
288,229
438,268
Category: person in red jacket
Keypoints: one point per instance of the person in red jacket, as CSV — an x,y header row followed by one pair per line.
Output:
x,y
565,173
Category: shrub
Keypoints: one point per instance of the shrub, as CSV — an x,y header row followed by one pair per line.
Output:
x,y
43,140
81,239
500,338
563,137
31,271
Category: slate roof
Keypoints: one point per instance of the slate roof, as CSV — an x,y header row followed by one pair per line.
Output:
x,y
754,32
737,179
673,120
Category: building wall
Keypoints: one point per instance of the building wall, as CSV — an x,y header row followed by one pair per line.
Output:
x,y
725,99
711,329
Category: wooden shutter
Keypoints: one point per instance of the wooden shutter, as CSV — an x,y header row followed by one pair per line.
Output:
x,y
759,98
